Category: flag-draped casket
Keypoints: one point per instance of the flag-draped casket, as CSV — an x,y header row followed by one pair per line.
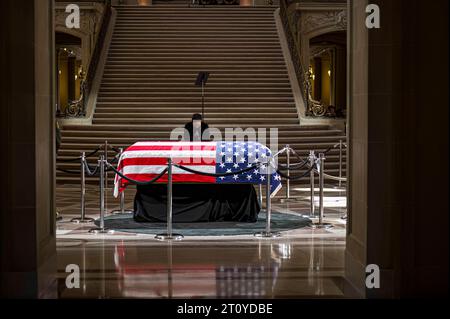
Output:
x,y
240,162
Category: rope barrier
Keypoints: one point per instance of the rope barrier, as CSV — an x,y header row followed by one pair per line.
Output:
x,y
88,169
331,147
342,179
298,165
295,165
70,160
343,144
68,172
140,183
295,177
115,149
327,150
79,157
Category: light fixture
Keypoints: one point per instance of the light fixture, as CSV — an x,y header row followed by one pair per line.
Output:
x,y
329,72
76,77
59,72
313,76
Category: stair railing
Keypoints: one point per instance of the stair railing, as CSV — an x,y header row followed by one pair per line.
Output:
x,y
290,22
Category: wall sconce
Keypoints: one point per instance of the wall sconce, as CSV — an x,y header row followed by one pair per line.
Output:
x,y
329,73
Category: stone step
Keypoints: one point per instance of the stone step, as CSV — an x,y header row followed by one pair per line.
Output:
x,y
197,53
127,140
290,129
146,102
190,110
183,75
283,137
157,37
84,146
211,115
204,25
211,99
226,121
212,90
267,47
182,111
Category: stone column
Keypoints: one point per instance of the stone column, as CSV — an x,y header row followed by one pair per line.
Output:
x,y
27,205
398,156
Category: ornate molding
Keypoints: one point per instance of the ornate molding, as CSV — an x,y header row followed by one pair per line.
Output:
x,y
312,21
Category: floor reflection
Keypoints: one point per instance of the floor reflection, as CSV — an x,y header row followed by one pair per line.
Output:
x,y
214,269
302,263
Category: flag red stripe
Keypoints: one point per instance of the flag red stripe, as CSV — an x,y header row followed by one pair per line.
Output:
x,y
194,178
163,161
171,148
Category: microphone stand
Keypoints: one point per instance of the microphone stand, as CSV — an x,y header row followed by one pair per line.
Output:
x,y
203,100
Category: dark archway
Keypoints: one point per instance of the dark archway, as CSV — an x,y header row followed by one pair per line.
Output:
x,y
328,68
69,70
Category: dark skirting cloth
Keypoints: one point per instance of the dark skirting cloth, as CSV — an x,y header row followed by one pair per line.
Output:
x,y
197,203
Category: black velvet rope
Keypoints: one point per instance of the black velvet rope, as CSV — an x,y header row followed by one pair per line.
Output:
x,y
295,165
298,165
327,150
331,147
296,177
68,172
94,152
76,159
115,149
88,169
79,157
135,181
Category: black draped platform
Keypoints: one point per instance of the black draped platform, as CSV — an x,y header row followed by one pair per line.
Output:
x,y
197,203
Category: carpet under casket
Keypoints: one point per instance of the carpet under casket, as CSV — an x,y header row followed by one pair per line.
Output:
x,y
280,222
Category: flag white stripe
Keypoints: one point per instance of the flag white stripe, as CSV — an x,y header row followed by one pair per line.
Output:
x,y
156,169
169,153
175,144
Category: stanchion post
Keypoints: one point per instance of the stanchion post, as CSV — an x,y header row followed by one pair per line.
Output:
x,y
340,161
268,233
102,229
312,159
106,146
288,181
260,195
321,224
82,219
122,196
122,202
169,235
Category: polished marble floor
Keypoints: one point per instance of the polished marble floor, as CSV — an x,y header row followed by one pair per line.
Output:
x,y
301,263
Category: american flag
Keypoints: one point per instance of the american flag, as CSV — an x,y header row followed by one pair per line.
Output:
x,y
143,161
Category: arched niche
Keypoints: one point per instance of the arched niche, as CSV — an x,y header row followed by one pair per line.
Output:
x,y
69,69
328,67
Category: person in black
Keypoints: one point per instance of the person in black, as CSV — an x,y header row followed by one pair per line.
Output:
x,y
195,128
